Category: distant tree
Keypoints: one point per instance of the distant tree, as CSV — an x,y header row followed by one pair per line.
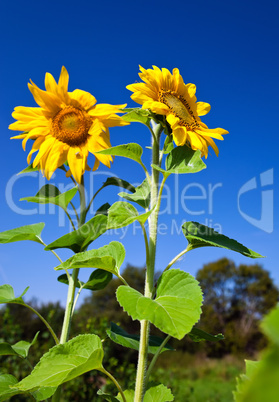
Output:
x,y
235,299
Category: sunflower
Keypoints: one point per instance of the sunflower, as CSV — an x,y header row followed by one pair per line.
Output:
x,y
166,94
66,127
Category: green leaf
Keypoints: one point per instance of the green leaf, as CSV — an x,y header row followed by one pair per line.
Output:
x,y
43,393
168,145
28,232
175,309
122,214
198,335
50,194
103,210
184,160
108,258
115,181
7,380
7,295
107,397
20,348
80,239
137,115
141,195
159,393
98,280
131,151
64,362
29,169
270,325
201,236
260,383
121,337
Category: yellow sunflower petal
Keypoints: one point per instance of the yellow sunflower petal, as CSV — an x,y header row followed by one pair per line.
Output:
x,y
156,107
55,158
44,149
114,120
96,164
103,109
50,84
76,163
179,136
203,108
85,99
63,82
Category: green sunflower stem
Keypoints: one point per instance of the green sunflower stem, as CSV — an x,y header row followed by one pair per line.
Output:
x,y
150,266
72,287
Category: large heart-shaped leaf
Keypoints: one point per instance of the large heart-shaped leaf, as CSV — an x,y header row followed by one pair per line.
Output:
x,y
109,258
7,295
122,214
50,194
64,362
121,337
131,151
28,232
80,239
98,280
141,195
201,236
176,307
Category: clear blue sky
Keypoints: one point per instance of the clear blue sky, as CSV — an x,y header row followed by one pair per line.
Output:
x,y
228,49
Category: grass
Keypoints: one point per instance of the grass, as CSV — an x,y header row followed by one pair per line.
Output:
x,y
198,379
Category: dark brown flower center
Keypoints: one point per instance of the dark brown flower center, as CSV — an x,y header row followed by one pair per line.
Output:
x,y
70,125
180,107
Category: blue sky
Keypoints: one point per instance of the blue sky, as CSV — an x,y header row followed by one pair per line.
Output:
x,y
229,50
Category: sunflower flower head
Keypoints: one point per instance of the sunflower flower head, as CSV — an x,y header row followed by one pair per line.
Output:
x,y
166,94
66,126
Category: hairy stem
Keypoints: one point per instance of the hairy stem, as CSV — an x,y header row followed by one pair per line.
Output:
x,y
150,266
72,286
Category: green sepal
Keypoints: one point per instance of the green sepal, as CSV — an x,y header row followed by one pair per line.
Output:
x,y
28,232
80,239
176,308
198,335
29,169
141,195
108,258
50,194
98,280
121,337
199,235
